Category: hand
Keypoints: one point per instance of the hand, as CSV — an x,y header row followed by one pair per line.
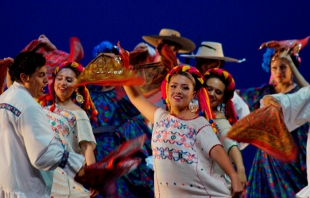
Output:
x,y
242,177
48,45
141,46
8,61
236,187
286,54
93,192
269,100
81,172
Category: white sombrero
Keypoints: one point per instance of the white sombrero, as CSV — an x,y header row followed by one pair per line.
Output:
x,y
171,35
212,50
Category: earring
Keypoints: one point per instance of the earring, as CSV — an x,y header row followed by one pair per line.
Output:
x,y
193,106
79,98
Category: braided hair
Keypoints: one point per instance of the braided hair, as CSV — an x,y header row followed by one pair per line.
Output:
x,y
201,93
49,99
229,83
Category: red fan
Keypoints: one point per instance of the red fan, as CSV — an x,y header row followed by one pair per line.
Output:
x,y
4,64
265,129
102,175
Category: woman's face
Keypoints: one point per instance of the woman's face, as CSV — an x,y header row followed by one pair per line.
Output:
x,y
180,92
216,90
64,84
280,71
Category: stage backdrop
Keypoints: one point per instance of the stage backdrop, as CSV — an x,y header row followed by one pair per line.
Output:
x,y
241,26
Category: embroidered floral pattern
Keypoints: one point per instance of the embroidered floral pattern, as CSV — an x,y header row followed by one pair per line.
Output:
x,y
175,155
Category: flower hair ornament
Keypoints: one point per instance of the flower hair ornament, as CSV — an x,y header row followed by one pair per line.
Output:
x,y
274,48
82,96
204,107
229,82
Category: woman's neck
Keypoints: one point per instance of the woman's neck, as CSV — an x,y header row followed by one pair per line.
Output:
x,y
65,103
183,114
284,87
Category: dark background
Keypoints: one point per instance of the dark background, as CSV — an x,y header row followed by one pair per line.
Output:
x,y
241,26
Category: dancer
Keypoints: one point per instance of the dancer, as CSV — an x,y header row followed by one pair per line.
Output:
x,y
70,124
28,144
184,144
221,88
295,108
272,177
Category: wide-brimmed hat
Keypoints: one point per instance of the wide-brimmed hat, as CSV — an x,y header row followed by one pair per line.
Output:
x,y
212,50
171,35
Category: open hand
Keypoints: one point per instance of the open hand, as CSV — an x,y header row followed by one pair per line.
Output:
x,y
269,100
48,45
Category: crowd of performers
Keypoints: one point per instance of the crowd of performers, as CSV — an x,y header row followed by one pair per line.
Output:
x,y
165,137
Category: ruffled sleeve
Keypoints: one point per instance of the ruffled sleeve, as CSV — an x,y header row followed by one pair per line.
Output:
x,y
224,127
206,139
83,129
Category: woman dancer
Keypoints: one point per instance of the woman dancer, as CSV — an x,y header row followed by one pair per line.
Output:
x,y
184,144
70,123
268,176
221,87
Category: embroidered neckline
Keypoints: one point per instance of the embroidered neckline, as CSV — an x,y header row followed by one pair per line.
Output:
x,y
184,118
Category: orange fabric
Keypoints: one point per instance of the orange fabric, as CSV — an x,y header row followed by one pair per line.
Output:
x,y
102,175
106,70
265,129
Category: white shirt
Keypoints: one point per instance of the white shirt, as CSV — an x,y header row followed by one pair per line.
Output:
x,y
296,111
27,144
182,162
242,109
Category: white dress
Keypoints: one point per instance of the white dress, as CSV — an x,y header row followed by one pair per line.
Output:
x,y
71,127
296,111
28,148
223,126
182,163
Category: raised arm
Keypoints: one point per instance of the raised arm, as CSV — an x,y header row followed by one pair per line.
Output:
x,y
146,108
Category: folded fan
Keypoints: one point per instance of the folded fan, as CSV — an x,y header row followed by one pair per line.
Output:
x,y
106,70
265,129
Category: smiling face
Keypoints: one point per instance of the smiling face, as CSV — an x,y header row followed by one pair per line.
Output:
x,y
216,90
280,71
180,92
36,82
64,84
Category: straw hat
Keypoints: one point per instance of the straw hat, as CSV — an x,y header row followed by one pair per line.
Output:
x,y
171,35
212,50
